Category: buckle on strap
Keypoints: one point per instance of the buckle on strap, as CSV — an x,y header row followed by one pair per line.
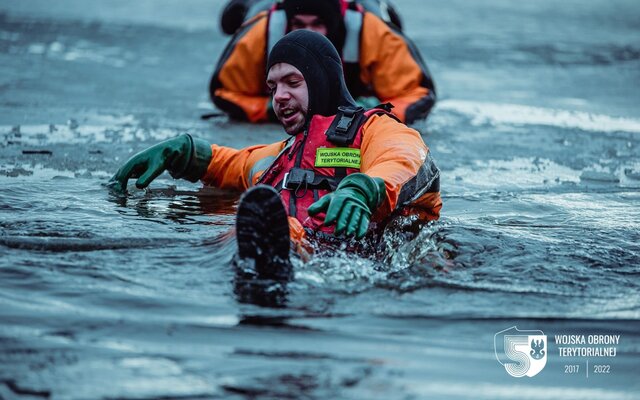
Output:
x,y
344,126
296,177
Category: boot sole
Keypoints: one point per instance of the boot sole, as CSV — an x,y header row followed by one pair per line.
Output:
x,y
262,232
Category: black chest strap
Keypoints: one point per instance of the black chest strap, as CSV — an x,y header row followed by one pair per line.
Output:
x,y
300,178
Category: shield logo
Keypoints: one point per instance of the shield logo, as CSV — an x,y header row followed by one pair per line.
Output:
x,y
521,352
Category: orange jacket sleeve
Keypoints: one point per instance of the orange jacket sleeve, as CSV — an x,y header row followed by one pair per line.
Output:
x,y
397,154
238,83
239,169
395,74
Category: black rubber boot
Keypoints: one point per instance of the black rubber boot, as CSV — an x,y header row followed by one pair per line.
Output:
x,y
262,232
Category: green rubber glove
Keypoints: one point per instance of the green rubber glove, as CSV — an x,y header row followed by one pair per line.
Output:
x,y
183,156
351,205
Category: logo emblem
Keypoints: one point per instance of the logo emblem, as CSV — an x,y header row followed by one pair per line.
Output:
x,y
332,157
521,352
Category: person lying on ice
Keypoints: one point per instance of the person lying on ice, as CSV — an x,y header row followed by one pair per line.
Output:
x,y
380,63
341,167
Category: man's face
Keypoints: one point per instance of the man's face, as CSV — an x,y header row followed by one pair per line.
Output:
x,y
310,22
290,96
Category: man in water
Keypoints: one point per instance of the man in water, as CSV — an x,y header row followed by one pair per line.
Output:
x,y
343,171
380,63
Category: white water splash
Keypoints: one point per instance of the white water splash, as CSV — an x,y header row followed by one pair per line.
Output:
x,y
520,172
515,114
37,173
105,129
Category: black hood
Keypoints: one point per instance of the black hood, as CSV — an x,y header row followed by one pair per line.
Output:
x,y
330,12
318,61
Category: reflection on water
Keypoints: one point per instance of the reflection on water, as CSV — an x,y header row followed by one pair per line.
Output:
x,y
517,246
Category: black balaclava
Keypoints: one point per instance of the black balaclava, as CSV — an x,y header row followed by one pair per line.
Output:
x,y
319,62
328,10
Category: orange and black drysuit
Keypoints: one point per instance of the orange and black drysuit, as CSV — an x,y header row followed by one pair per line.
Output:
x,y
378,60
339,139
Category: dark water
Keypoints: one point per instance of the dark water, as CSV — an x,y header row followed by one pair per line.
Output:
x,y
538,138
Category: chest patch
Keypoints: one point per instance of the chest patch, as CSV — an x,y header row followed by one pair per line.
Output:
x,y
337,157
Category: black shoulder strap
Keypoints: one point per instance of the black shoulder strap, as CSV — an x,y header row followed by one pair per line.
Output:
x,y
345,125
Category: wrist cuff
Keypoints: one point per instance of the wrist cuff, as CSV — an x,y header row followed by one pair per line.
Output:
x,y
199,155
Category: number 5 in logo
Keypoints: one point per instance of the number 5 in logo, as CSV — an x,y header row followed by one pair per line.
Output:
x,y
521,352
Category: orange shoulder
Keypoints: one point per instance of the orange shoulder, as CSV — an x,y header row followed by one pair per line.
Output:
x,y
244,70
386,63
391,151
